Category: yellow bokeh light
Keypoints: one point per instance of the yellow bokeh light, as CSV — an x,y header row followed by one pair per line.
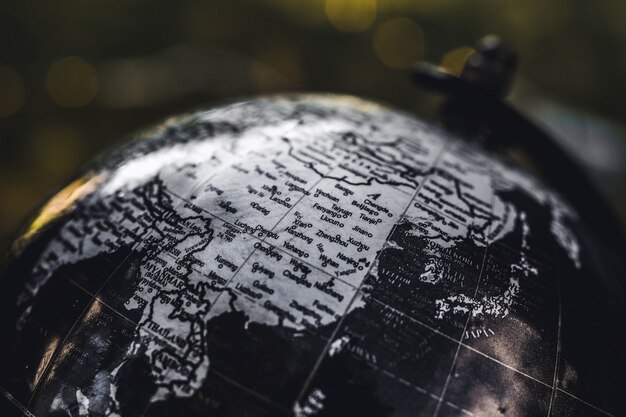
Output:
x,y
11,91
71,82
351,15
454,61
399,42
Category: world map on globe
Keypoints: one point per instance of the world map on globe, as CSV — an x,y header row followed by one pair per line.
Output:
x,y
307,256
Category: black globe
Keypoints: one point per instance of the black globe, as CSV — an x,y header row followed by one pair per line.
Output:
x,y
308,256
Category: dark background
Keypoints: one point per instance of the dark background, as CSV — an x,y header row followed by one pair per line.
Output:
x,y
76,75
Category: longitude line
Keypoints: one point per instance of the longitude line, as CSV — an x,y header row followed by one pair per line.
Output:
x,y
460,341
558,346
469,315
318,363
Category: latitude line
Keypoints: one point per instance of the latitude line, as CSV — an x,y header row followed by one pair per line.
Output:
x,y
417,387
456,407
584,402
529,255
249,391
320,359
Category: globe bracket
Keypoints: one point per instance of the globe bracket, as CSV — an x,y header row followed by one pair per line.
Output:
x,y
475,109
487,73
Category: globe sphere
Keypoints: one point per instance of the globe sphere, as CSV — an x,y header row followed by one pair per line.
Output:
x,y
307,255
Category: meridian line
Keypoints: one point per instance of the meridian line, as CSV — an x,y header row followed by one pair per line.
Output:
x,y
318,363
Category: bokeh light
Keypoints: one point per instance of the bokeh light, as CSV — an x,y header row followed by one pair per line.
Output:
x,y
351,15
11,91
71,82
399,42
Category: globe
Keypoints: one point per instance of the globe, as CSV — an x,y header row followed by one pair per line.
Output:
x,y
308,255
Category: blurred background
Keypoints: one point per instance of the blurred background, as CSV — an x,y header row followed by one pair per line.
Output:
x,y
77,76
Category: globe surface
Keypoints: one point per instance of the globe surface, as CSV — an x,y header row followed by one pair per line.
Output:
x,y
306,255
